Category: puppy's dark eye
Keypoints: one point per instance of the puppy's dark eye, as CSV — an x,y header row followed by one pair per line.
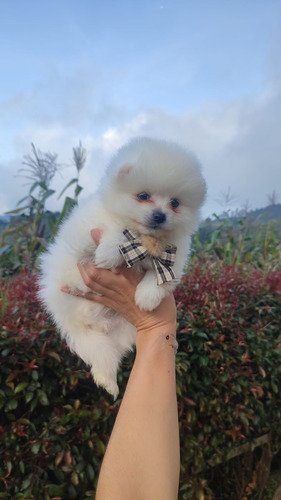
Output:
x,y
174,203
143,196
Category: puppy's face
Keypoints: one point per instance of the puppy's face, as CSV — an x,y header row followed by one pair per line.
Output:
x,y
158,191
151,212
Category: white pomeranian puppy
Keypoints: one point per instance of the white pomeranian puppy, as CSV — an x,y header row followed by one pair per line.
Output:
x,y
147,208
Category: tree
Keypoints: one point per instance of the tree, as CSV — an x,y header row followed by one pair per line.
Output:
x,y
225,200
273,197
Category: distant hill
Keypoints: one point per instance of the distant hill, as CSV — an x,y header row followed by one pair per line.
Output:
x,y
265,214
257,217
4,221
255,222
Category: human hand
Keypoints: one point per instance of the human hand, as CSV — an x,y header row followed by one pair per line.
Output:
x,y
116,290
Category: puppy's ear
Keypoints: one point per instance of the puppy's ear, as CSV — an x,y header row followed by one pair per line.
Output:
x,y
124,171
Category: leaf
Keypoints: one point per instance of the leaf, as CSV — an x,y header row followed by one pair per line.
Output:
x,y
54,355
274,387
189,402
4,249
43,398
9,466
90,472
34,375
262,371
21,466
72,493
202,335
59,458
20,387
17,210
73,181
67,468
12,404
26,483
74,478
76,404
56,491
200,495
69,203
47,194
6,351
33,404
67,457
100,447
12,376
28,397
35,447
36,184
78,190
90,493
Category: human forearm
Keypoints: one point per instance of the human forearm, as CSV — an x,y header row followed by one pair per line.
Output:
x,y
148,467
142,458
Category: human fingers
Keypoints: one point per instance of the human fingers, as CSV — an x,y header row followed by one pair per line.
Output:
x,y
117,280
96,279
92,296
78,293
102,281
109,289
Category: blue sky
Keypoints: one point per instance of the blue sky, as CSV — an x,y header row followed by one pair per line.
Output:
x,y
205,73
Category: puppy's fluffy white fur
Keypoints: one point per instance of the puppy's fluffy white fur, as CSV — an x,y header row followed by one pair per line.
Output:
x,y
164,171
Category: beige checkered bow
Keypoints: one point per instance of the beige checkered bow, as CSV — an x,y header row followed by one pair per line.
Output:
x,y
134,251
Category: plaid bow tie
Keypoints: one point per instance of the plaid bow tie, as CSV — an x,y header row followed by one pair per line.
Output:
x,y
134,251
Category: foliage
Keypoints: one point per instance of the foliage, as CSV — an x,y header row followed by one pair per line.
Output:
x,y
31,225
228,366
240,241
55,423
39,167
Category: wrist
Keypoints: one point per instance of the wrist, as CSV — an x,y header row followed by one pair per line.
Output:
x,y
156,353
149,331
148,337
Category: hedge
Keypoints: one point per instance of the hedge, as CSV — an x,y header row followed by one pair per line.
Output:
x,y
55,423
228,375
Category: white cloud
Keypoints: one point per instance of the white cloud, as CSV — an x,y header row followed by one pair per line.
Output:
x,y
238,144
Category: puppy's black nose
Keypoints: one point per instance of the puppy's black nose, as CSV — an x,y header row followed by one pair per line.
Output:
x,y
158,218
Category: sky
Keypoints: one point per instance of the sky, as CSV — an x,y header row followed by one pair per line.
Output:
x,y
203,73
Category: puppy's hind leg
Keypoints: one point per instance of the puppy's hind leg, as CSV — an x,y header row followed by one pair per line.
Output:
x,y
98,351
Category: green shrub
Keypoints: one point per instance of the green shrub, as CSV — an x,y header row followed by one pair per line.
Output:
x,y
228,370
55,424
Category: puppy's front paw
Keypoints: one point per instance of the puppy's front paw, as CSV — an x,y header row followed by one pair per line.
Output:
x,y
149,298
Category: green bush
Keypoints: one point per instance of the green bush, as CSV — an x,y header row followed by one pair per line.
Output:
x,y
228,371
55,423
